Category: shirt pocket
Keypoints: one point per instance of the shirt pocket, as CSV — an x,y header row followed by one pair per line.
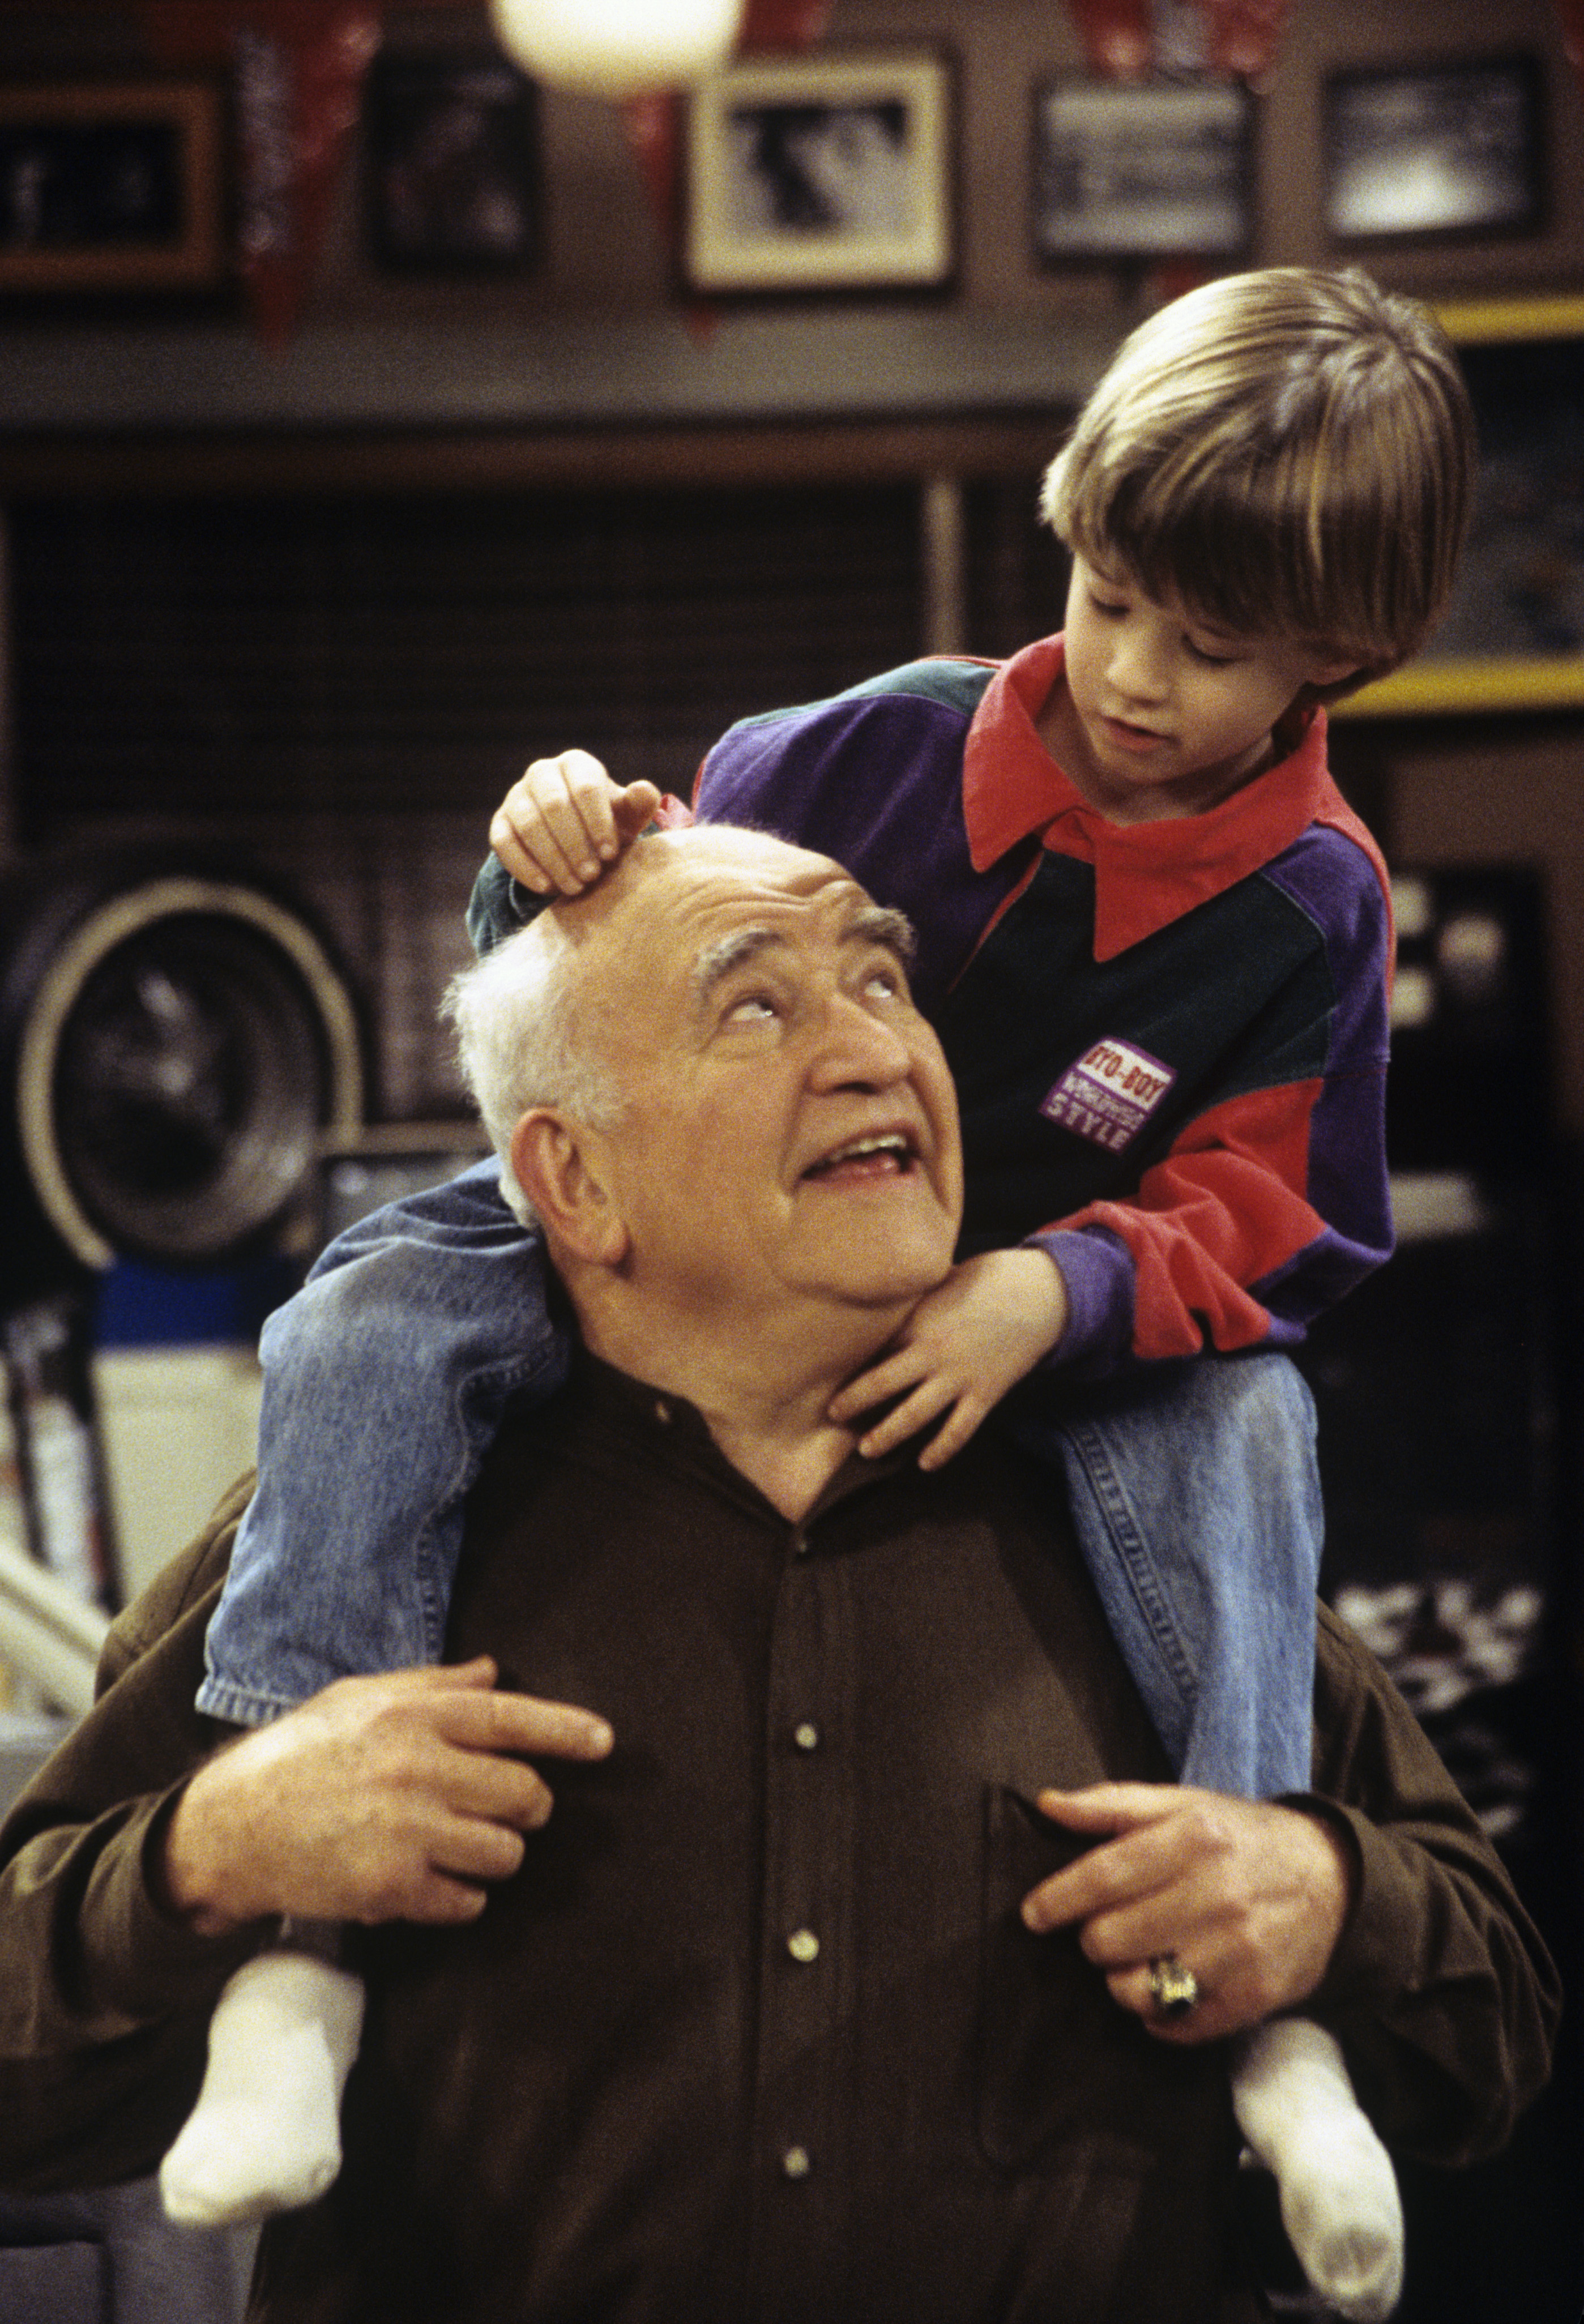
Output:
x,y
1057,2060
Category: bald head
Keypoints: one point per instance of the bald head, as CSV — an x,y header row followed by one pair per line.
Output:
x,y
707,1077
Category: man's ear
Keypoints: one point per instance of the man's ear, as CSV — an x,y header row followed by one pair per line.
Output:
x,y
557,1166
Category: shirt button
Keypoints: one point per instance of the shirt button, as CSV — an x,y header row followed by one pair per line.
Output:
x,y
803,1945
797,2163
806,1735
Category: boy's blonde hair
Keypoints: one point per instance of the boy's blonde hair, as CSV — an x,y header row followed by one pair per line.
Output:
x,y
1286,454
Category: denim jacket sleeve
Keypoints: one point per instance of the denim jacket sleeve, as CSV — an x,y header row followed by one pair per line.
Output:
x,y
499,906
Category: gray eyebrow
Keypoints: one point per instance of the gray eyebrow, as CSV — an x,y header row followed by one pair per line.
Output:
x,y
878,924
718,960
875,924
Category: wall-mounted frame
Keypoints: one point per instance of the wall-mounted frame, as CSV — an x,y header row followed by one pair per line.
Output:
x,y
451,162
823,173
1434,151
112,186
1513,636
1127,170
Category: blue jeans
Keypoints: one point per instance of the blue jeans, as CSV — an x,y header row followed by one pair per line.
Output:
x,y
1193,1490
385,1380
1195,1494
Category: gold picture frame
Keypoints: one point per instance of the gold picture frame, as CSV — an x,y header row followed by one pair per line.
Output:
x,y
1513,636
112,186
823,173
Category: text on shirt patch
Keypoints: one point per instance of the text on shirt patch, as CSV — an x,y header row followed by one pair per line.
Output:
x,y
1110,1094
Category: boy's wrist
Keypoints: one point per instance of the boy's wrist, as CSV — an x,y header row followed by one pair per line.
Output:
x,y
1097,1274
1056,1307
1033,1291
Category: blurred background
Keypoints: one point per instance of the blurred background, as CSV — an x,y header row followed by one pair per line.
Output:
x,y
377,415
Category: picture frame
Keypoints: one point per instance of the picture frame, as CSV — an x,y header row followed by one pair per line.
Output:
x,y
1129,172
452,168
1512,635
823,173
1433,152
112,186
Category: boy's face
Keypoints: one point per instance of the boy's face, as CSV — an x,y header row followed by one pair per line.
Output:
x,y
1164,714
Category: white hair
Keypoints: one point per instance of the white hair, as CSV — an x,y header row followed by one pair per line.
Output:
x,y
519,1042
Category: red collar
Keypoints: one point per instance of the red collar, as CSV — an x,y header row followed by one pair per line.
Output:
x,y
1146,875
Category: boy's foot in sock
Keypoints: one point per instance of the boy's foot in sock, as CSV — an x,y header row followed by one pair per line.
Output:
x,y
1295,2106
265,2135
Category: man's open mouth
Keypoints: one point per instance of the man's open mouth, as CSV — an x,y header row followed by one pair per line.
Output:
x,y
881,1157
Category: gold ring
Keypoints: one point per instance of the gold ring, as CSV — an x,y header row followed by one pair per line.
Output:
x,y
1173,1989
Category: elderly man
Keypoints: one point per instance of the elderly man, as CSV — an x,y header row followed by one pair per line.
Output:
x,y
812,1999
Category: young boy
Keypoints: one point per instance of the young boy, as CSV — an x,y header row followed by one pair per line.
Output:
x,y
1157,944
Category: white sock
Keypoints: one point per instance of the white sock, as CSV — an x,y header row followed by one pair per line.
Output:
x,y
265,2135
1295,2106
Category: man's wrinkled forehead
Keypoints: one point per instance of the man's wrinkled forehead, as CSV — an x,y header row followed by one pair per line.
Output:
x,y
846,916
717,898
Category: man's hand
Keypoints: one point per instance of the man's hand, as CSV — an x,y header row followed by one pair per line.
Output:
x,y
565,820
380,1799
1251,1897
964,1346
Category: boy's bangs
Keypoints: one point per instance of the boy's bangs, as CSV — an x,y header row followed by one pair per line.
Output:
x,y
1225,542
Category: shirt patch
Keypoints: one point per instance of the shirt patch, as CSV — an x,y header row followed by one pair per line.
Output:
x,y
1110,1094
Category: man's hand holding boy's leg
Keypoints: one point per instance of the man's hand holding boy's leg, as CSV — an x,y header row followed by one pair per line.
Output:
x,y
397,1797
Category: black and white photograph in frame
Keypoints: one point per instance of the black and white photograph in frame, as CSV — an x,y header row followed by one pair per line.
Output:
x,y
822,173
452,162
1448,150
1144,170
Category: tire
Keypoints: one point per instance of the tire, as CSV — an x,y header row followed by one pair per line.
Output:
x,y
176,1037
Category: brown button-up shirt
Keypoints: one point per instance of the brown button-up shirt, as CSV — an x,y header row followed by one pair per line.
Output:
x,y
755,2036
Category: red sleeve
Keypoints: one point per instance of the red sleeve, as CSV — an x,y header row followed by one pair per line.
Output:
x,y
1228,1250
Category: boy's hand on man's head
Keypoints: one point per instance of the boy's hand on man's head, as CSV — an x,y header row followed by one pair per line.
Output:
x,y
565,820
963,1347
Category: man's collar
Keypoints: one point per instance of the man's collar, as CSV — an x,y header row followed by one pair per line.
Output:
x,y
1145,876
659,1423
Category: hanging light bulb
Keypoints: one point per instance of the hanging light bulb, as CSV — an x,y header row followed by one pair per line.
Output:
x,y
617,48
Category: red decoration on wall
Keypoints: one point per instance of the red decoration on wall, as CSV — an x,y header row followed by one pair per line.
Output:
x,y
1243,35
654,131
782,25
297,105
1570,16
299,66
1117,36
1120,36
654,124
